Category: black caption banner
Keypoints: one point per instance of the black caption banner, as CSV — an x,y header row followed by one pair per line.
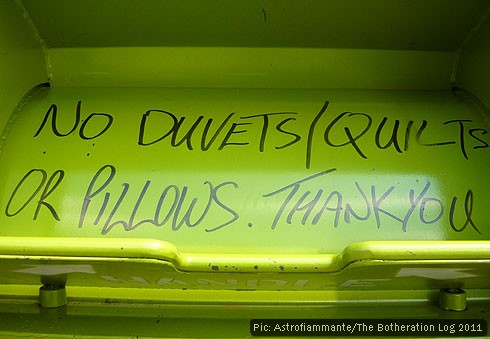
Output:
x,y
369,327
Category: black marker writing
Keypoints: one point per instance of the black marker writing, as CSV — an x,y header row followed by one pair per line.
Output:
x,y
311,131
89,121
294,188
313,205
265,128
175,205
159,125
52,183
483,144
351,139
462,135
468,211
278,131
394,136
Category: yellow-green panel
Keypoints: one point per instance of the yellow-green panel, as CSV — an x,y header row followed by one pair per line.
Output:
x,y
368,274
246,171
193,165
113,318
245,67
22,64
474,65
375,24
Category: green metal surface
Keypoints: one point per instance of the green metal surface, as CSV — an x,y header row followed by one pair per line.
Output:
x,y
226,67
366,274
247,171
52,296
234,262
286,44
354,24
118,319
474,66
22,63
181,175
368,266
452,299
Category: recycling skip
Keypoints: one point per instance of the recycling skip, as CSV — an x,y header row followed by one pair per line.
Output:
x,y
246,171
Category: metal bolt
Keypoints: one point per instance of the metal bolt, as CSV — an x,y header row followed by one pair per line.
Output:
x,y
452,299
52,296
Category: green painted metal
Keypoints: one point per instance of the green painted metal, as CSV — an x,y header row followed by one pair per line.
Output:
x,y
246,67
248,171
235,262
354,24
312,44
52,296
474,67
22,62
452,299
177,179
115,319
380,274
